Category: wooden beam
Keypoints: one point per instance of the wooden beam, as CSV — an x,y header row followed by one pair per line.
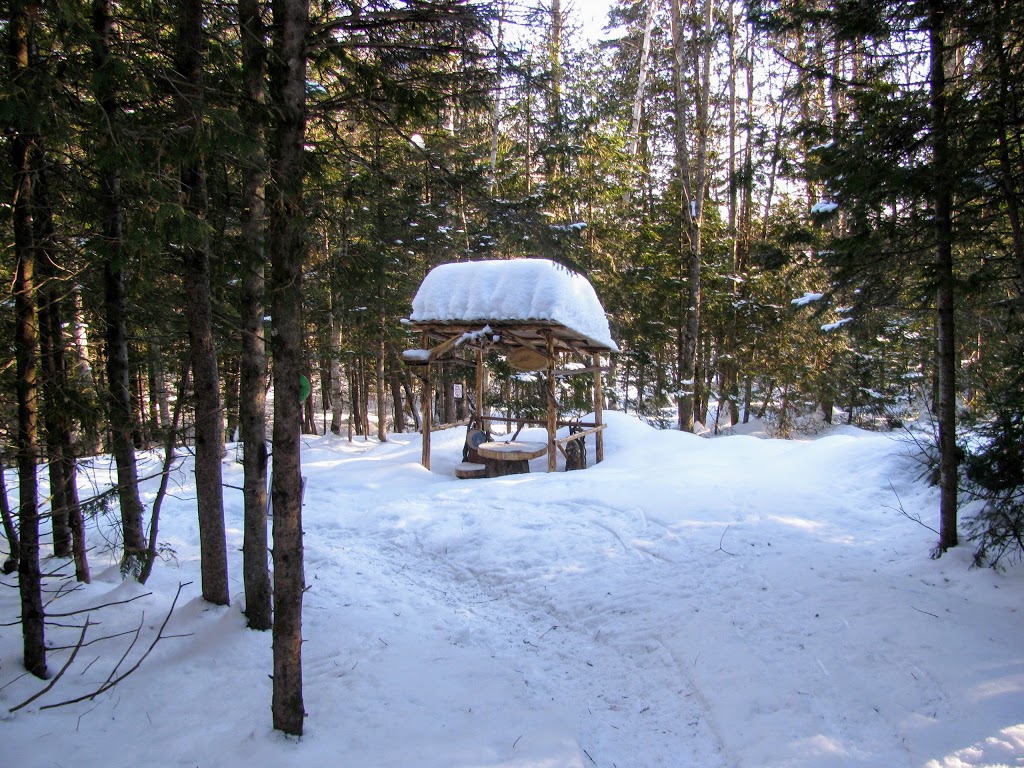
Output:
x,y
480,388
428,406
580,435
598,411
552,424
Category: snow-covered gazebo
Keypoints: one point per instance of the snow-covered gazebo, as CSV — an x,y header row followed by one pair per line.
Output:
x,y
537,312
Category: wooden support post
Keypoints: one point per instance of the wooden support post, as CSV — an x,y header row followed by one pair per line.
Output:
x,y
428,407
552,404
480,389
598,411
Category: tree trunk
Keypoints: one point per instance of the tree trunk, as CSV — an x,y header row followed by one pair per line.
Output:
x,y
253,363
382,421
337,399
287,252
26,351
692,174
209,445
641,82
943,201
10,531
54,385
116,331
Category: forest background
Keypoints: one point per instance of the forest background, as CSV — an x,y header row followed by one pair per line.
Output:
x,y
797,211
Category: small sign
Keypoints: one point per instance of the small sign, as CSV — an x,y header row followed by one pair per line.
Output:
x,y
458,391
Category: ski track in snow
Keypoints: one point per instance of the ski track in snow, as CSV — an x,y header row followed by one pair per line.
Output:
x,y
646,613
634,649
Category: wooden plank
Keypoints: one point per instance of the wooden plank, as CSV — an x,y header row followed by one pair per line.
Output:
x,y
428,407
552,425
598,410
580,435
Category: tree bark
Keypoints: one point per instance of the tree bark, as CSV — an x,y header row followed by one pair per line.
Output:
x,y
253,373
287,254
55,384
116,330
10,530
26,349
641,82
945,298
692,174
196,257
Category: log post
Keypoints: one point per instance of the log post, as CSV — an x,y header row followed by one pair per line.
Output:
x,y
552,404
598,410
480,389
428,406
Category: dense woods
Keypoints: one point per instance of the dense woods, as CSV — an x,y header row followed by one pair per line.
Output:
x,y
799,212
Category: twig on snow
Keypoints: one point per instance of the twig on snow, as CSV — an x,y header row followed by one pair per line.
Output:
x,y
60,674
111,681
904,512
733,554
97,607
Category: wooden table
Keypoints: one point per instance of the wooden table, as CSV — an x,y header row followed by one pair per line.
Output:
x,y
509,458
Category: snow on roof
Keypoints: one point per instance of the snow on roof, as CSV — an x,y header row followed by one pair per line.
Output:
x,y
520,290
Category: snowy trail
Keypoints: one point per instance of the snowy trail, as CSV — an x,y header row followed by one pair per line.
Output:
x,y
688,603
574,659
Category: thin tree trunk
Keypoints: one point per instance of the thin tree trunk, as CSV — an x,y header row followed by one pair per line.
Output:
x,y
26,351
641,82
287,253
54,385
397,405
946,373
337,375
10,531
382,421
209,445
116,331
253,365
692,173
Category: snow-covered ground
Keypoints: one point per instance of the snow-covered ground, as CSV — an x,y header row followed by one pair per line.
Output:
x,y
688,602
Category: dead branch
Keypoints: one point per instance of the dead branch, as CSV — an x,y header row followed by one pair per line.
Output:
x,y
97,607
169,456
112,681
720,549
96,640
899,508
60,674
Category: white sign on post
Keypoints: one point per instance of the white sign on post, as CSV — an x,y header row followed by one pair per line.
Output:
x,y
457,391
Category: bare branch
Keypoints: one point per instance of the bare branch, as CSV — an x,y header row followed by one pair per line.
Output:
x,y
60,674
112,681
97,607
899,508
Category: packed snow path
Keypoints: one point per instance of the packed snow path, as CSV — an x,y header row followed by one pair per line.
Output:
x,y
688,602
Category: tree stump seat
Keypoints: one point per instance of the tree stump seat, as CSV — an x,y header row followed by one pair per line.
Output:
x,y
468,471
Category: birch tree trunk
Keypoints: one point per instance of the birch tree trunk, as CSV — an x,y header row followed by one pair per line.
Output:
x,y
641,81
